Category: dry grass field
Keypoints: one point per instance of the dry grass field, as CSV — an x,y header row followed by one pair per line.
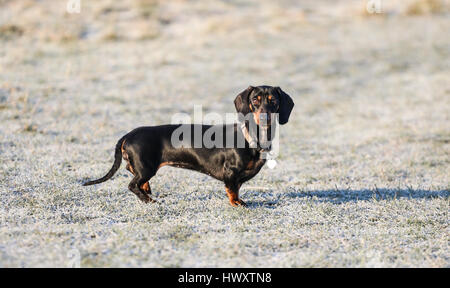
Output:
x,y
362,177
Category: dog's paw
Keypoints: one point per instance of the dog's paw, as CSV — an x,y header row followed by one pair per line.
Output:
x,y
237,203
146,198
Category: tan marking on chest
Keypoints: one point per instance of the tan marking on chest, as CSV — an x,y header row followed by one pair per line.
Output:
x,y
256,116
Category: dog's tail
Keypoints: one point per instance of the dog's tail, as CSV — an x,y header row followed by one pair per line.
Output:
x,y
114,168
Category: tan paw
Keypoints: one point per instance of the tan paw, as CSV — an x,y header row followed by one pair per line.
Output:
x,y
238,202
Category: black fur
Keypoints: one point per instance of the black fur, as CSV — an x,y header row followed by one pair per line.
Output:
x,y
146,149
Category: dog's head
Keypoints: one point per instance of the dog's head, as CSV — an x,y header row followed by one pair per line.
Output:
x,y
262,102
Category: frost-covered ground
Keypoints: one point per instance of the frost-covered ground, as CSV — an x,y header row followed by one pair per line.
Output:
x,y
362,178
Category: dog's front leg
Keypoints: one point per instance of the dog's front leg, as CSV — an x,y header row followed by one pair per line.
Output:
x,y
233,194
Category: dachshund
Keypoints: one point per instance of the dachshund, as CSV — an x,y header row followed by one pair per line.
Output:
x,y
146,149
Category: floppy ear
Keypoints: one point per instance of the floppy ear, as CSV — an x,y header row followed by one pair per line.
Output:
x,y
242,101
286,105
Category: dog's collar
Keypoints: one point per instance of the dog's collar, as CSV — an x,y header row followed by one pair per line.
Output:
x,y
251,138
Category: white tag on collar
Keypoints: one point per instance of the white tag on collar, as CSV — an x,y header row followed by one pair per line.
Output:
x,y
271,163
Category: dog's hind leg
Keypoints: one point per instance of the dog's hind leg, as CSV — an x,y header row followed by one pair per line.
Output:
x,y
140,185
142,169
136,186
146,186
147,174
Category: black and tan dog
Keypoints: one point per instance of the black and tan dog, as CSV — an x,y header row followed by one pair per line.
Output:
x,y
146,149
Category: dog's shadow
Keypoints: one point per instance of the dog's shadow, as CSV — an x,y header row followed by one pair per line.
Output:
x,y
336,196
